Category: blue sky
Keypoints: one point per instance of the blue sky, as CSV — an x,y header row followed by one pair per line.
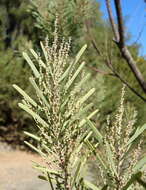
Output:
x,y
135,16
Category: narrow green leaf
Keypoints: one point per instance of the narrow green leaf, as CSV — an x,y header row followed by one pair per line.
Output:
x,y
140,164
32,135
74,62
90,185
74,76
39,92
88,136
76,174
50,179
46,57
80,53
30,100
76,151
32,66
64,103
42,178
34,115
98,157
44,169
37,58
34,148
83,80
110,156
89,117
79,103
136,134
66,124
44,51
96,133
81,112
65,74
86,96
81,172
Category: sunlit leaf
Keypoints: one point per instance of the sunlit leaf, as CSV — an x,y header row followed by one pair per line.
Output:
x,y
37,58
69,83
30,100
29,61
138,132
34,148
88,117
32,136
34,115
98,157
86,96
141,163
45,169
74,62
91,185
96,133
39,92
110,156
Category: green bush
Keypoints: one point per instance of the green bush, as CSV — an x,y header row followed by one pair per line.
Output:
x,y
58,113
67,137
117,149
16,31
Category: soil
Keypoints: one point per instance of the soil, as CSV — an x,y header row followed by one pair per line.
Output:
x,y
16,172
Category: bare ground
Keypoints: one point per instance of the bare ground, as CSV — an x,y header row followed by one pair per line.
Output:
x,y
16,172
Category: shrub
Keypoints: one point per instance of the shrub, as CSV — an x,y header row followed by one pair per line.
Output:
x,y
62,116
118,151
58,113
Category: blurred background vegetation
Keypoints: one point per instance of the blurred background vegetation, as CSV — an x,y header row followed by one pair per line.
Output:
x,y
24,23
